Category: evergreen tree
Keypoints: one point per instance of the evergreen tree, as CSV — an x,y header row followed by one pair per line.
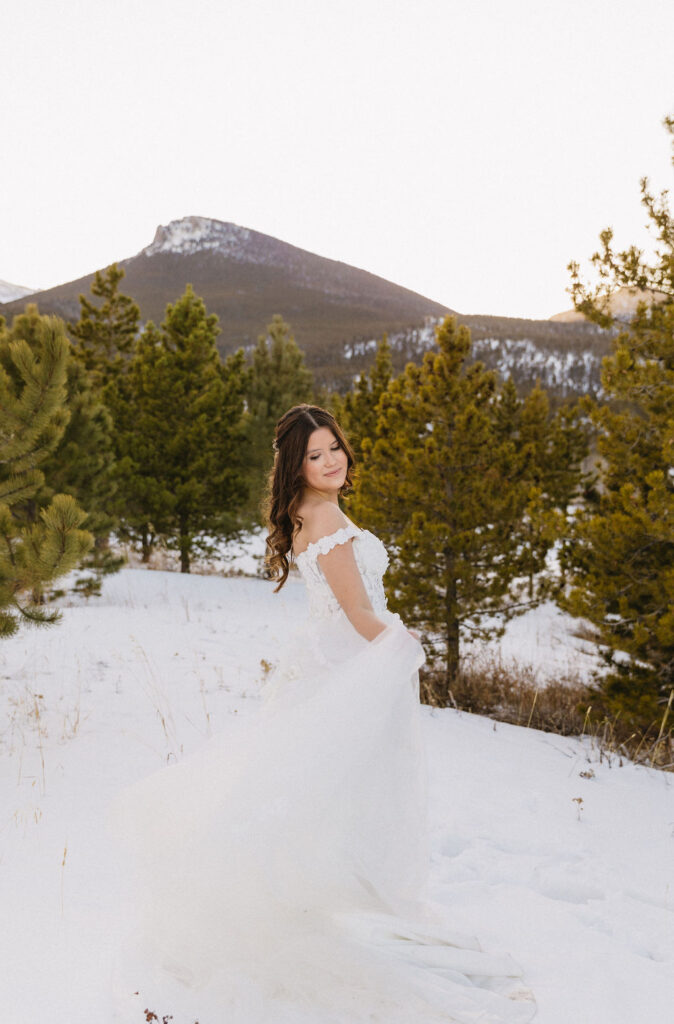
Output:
x,y
35,550
550,452
567,481
82,463
520,427
179,423
105,334
103,340
549,447
622,556
277,380
435,485
144,497
357,411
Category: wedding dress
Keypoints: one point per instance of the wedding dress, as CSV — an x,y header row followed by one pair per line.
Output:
x,y
280,872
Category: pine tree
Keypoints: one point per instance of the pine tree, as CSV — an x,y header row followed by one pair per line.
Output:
x,y
550,451
520,427
357,411
103,340
35,550
435,486
105,334
622,556
567,480
82,464
550,447
277,380
179,422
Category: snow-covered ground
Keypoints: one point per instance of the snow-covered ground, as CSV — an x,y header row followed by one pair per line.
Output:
x,y
544,642
539,848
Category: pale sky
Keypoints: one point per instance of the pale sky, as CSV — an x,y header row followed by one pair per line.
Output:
x,y
467,149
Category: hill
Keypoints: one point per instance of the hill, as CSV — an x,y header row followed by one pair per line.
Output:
x,y
245,277
337,312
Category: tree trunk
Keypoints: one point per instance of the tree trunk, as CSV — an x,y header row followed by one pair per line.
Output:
x,y
147,547
185,545
451,624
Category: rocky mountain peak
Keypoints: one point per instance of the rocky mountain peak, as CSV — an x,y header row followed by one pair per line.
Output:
x,y
198,234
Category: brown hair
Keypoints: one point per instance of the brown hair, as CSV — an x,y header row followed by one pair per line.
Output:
x,y
286,481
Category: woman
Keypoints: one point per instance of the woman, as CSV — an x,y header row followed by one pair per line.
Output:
x,y
289,885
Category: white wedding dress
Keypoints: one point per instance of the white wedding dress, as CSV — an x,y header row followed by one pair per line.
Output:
x,y
280,872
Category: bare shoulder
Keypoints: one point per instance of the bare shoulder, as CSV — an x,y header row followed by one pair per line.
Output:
x,y
318,521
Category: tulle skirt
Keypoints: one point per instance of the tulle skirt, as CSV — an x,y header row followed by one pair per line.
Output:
x,y
280,873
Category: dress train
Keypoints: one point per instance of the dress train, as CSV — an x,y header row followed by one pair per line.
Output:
x,y
280,873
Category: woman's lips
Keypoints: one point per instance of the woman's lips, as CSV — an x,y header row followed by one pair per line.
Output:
x,y
334,472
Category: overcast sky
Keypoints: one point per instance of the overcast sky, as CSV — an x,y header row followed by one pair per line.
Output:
x,y
467,149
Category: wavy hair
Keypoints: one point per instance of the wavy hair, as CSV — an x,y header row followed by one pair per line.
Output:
x,y
286,481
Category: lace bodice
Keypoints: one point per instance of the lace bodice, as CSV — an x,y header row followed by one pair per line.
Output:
x,y
371,558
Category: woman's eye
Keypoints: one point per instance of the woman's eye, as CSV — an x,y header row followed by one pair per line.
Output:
x,y
312,458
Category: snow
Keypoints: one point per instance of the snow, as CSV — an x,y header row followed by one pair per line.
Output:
x,y
544,641
196,234
566,370
243,556
191,235
9,292
540,848
521,356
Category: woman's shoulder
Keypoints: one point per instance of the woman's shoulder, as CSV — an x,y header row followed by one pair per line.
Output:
x,y
319,520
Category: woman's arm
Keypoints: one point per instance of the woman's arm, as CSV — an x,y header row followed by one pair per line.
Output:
x,y
343,575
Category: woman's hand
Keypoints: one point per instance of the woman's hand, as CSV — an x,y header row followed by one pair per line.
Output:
x,y
414,633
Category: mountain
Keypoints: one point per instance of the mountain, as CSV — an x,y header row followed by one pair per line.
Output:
x,y
246,277
336,311
622,304
9,292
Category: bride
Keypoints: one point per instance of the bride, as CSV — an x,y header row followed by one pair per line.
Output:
x,y
280,873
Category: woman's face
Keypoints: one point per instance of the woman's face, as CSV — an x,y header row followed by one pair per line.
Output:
x,y
325,463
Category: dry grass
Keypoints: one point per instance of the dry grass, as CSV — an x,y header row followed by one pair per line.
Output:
x,y
164,559
26,719
150,1016
510,693
158,698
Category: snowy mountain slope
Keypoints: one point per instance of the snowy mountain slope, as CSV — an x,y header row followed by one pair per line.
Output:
x,y
564,363
564,372
539,848
190,235
9,292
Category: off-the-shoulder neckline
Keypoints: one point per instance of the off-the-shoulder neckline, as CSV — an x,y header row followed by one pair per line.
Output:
x,y
316,543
